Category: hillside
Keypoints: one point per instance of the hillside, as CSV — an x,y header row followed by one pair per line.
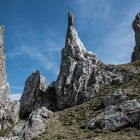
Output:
x,y
71,124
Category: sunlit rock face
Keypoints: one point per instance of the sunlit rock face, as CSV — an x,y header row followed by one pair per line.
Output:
x,y
2,59
81,72
136,27
9,110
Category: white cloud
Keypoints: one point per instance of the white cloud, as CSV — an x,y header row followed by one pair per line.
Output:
x,y
15,96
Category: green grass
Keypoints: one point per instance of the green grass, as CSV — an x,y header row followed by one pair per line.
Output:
x,y
71,123
5,132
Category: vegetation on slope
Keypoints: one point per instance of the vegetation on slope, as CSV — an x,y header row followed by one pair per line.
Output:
x,y
71,123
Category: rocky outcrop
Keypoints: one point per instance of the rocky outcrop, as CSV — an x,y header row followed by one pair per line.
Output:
x,y
2,59
9,110
34,86
81,73
118,113
37,95
35,125
115,98
136,27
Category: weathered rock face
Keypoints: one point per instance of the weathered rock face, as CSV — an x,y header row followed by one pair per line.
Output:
x,y
81,72
116,97
136,27
9,110
2,59
35,125
117,113
34,86
36,95
77,67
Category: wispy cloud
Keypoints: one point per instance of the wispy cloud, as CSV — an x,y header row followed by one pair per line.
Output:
x,y
117,38
42,51
88,11
15,96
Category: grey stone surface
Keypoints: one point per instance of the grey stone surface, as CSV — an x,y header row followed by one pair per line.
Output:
x,y
36,95
77,72
117,116
136,27
116,97
2,59
33,126
9,110
34,86
81,73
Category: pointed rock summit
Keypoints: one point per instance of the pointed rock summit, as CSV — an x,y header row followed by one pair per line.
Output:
x,y
2,59
81,72
136,27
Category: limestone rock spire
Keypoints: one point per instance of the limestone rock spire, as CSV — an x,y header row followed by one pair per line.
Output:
x,y
70,19
2,58
77,65
136,27
73,41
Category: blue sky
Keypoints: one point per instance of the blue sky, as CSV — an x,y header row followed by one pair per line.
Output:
x,y
35,34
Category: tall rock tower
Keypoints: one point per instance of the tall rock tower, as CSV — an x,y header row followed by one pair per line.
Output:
x,y
73,85
4,86
136,27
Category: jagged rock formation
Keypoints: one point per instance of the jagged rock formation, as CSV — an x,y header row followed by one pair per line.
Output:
x,y
36,95
34,86
2,59
136,27
9,110
81,72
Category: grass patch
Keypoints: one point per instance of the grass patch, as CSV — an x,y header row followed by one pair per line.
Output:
x,y
5,132
71,123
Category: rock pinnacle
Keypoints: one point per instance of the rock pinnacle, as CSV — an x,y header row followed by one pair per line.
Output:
x,y
70,19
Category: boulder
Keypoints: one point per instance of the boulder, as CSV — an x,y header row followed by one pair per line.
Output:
x,y
9,110
119,112
34,125
115,98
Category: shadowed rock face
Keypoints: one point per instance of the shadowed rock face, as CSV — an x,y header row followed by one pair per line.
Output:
x,y
36,95
34,86
136,27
